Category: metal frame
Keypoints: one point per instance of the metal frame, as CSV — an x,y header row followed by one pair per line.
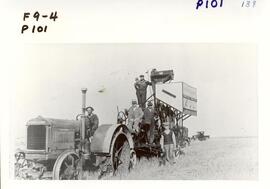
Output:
x,y
182,115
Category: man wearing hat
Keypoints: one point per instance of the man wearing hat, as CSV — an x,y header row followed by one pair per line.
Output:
x,y
91,122
149,122
135,115
141,90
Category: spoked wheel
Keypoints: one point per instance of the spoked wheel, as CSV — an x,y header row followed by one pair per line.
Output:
x,y
67,167
123,159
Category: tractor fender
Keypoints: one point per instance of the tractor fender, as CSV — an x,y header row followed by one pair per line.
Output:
x,y
104,136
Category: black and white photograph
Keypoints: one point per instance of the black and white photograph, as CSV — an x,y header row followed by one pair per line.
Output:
x,y
135,111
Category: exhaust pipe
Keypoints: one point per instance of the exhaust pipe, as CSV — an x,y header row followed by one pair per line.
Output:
x,y
84,90
85,144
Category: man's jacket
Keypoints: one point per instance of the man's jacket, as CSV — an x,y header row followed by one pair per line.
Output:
x,y
141,85
91,123
148,117
135,113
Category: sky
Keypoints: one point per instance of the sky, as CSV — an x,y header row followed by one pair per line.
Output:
x,y
48,79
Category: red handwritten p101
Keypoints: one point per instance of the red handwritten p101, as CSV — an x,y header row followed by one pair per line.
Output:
x,y
209,3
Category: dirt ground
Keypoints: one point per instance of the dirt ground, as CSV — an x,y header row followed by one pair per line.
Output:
x,y
216,158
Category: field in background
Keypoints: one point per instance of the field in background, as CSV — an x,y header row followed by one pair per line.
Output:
x,y
216,158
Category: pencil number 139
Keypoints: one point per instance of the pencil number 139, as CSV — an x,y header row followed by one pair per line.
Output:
x,y
248,3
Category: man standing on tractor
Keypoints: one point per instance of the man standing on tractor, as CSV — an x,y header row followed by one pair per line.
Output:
x,y
135,115
136,85
91,122
141,90
91,125
149,122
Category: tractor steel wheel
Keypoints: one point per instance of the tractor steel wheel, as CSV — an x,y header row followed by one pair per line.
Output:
x,y
67,167
121,159
133,159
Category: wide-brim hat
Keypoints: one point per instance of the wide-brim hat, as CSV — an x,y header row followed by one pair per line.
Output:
x,y
150,103
90,107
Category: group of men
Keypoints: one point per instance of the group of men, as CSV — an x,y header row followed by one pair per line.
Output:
x,y
136,114
139,118
147,118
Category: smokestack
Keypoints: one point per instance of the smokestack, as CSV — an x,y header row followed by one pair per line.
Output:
x,y
84,90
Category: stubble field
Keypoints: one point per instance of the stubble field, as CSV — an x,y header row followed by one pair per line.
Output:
x,y
213,159
216,158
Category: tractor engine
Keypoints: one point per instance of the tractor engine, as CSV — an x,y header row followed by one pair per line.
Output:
x,y
51,135
47,138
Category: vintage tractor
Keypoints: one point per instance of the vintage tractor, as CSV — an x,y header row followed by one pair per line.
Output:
x,y
62,148
200,136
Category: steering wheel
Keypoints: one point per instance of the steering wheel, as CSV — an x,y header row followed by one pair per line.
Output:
x,y
121,117
78,116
